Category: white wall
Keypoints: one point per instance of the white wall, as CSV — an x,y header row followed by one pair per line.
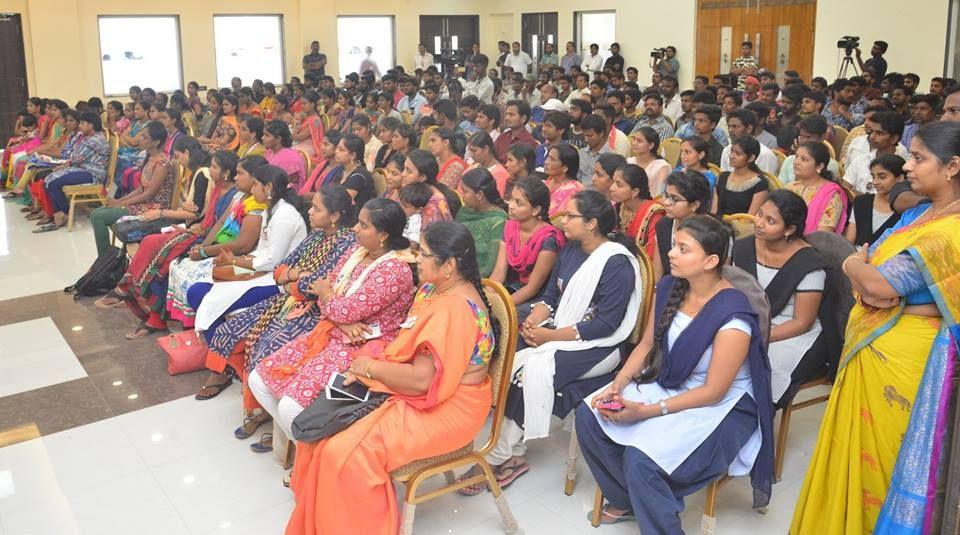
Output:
x,y
916,31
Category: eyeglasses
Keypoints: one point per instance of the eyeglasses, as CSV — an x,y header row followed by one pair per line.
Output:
x,y
670,200
571,216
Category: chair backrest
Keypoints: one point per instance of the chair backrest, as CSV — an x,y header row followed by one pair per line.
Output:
x,y
425,138
840,136
773,181
114,140
781,157
743,224
307,163
646,300
501,364
379,181
830,148
714,168
755,293
853,134
670,149
178,188
557,219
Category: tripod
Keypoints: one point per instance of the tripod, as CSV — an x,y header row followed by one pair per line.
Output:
x,y
846,63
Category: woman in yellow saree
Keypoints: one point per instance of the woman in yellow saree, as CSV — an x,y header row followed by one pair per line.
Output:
x,y
876,466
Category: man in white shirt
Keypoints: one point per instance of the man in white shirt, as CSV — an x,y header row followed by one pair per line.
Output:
x,y
582,91
412,101
740,123
518,60
423,59
482,86
671,101
885,130
593,62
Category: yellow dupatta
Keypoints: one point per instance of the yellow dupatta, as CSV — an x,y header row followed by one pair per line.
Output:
x,y
935,247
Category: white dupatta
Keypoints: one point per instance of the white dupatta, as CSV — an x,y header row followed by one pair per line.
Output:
x,y
538,362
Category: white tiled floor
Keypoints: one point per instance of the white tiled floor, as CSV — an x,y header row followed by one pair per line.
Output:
x,y
176,469
42,262
33,354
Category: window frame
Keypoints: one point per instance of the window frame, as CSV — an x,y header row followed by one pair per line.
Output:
x,y
584,48
393,39
283,45
176,20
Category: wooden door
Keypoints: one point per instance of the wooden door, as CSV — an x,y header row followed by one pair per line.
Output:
x,y
13,72
750,19
538,29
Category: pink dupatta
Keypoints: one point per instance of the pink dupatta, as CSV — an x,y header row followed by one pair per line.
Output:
x,y
818,205
522,257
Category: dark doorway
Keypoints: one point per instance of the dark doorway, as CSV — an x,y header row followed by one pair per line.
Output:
x,y
448,38
13,72
538,29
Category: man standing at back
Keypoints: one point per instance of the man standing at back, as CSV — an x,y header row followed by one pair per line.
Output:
x,y
422,59
518,60
592,63
877,64
314,63
615,61
745,64
570,59
515,118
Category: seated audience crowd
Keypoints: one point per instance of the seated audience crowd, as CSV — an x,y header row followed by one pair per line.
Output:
x,y
305,231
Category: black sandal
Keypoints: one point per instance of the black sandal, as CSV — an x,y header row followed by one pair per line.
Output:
x,y
264,445
217,389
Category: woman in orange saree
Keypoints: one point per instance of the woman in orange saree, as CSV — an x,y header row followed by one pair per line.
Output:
x,y
308,131
436,373
878,464
639,214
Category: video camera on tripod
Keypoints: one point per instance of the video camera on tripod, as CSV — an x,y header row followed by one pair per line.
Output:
x,y
658,53
847,43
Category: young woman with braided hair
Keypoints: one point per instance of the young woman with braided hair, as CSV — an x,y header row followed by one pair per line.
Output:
x,y
693,400
436,374
571,339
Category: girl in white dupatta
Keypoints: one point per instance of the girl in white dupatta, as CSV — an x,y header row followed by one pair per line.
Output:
x,y
593,298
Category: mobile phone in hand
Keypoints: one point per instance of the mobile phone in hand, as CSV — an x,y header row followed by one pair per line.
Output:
x,y
610,405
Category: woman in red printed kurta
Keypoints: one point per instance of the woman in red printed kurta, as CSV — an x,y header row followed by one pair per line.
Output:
x,y
436,374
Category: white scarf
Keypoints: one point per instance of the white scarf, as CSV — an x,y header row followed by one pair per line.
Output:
x,y
538,362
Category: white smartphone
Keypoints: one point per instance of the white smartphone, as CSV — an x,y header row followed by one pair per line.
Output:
x,y
336,389
374,332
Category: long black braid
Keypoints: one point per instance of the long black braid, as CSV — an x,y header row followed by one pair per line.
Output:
x,y
654,360
448,239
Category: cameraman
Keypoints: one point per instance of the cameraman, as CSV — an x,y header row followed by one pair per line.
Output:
x,y
876,63
667,63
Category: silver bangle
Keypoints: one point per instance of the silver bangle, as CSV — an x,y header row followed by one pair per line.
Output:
x,y
663,407
544,303
576,332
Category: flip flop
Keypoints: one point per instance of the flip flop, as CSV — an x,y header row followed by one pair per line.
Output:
x,y
607,518
516,471
472,490
144,327
112,294
26,210
264,445
49,227
11,195
245,430
217,389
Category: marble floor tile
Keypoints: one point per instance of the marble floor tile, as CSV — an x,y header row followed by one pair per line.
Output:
x,y
33,354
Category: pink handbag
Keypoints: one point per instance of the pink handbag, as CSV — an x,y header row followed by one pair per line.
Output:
x,y
185,352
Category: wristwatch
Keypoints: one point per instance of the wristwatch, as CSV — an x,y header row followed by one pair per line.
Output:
x,y
663,407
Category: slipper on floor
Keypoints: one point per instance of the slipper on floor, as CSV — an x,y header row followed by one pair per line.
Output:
x,y
49,227
11,195
217,389
264,445
112,294
607,518
148,331
515,472
475,489
26,210
249,426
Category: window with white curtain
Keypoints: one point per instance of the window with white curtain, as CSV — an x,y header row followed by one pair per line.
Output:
x,y
595,27
250,47
356,34
143,51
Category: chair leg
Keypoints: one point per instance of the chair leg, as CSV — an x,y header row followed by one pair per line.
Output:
x,y
506,515
709,521
289,455
70,213
572,454
597,507
406,518
781,444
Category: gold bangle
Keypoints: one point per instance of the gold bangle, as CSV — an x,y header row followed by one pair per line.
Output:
x,y
843,266
366,370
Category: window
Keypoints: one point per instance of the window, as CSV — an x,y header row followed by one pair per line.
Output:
x,y
128,58
599,27
250,47
355,35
